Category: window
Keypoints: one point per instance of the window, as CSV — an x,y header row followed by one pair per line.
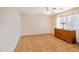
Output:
x,y
71,21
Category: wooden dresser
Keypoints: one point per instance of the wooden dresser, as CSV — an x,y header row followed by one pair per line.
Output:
x,y
66,35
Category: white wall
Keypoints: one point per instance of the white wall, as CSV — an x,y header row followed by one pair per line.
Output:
x,y
35,24
9,28
77,27
53,23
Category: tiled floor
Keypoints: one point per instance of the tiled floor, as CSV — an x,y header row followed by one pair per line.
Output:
x,y
44,43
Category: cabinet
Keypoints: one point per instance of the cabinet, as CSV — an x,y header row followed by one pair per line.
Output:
x,y
66,35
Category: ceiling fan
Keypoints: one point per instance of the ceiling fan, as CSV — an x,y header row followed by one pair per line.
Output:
x,y
51,10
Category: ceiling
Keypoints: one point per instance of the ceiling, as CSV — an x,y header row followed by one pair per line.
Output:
x,y
31,10
42,10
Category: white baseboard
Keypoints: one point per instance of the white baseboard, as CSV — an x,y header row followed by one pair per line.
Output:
x,y
36,34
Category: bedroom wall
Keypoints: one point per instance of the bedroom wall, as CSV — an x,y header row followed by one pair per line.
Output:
x,y
9,28
35,24
53,23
